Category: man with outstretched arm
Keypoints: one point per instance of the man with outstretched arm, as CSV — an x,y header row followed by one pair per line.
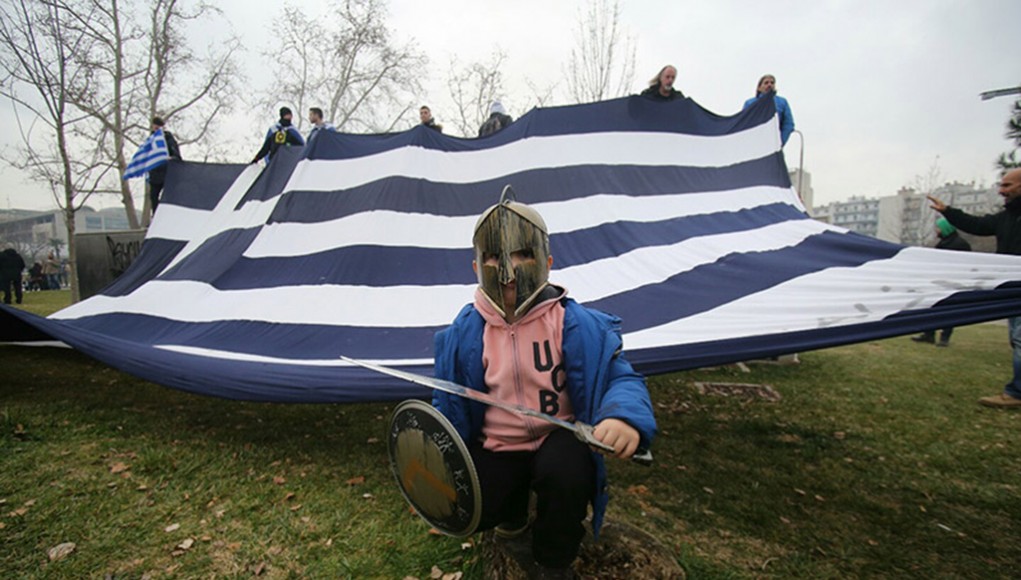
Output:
x,y
1006,226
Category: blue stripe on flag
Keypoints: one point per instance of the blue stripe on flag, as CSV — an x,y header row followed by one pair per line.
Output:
x,y
539,185
219,262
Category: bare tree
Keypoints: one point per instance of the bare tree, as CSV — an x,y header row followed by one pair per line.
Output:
x,y
1009,160
542,95
346,63
189,91
39,77
140,65
917,219
602,64
473,87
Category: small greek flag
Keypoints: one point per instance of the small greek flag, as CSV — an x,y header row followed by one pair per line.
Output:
x,y
151,154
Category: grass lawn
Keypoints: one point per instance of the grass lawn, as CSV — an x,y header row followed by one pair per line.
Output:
x,y
877,462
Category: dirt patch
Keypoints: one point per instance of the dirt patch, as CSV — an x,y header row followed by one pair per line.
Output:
x,y
623,551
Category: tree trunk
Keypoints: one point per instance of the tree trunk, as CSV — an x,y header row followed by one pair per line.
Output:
x,y
129,202
72,255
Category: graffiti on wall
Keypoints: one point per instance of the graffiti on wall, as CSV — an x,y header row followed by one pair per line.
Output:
x,y
122,253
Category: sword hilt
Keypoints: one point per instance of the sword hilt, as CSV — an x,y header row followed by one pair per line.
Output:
x,y
586,433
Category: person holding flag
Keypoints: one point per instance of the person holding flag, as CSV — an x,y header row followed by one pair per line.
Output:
x,y
151,158
281,134
767,89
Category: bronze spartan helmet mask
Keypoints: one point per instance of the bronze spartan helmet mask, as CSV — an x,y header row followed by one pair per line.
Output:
x,y
506,228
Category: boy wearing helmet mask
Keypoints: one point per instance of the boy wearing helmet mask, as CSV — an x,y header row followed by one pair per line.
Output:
x,y
524,341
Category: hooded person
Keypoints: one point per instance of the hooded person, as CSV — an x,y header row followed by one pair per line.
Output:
x,y
949,239
498,120
280,134
524,341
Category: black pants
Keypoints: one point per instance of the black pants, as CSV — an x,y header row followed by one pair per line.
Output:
x,y
8,280
154,194
561,473
944,335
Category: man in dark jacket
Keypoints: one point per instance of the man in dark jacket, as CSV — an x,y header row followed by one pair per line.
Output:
x,y
11,265
1006,226
281,134
949,239
158,175
661,87
425,114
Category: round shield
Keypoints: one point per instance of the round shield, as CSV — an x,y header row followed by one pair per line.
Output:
x,y
433,468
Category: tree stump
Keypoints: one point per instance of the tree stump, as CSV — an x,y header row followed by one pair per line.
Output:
x,y
623,551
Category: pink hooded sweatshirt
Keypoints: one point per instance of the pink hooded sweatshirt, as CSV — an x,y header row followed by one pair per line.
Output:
x,y
524,366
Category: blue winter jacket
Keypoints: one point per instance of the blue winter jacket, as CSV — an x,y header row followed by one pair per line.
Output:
x,y
783,110
600,382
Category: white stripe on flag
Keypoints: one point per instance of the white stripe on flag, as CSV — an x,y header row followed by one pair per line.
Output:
x,y
393,229
915,278
624,148
401,306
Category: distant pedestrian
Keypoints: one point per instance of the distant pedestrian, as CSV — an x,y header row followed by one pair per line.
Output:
x,y
766,89
51,272
35,277
315,116
661,87
949,239
280,134
498,120
425,115
158,175
1006,226
11,266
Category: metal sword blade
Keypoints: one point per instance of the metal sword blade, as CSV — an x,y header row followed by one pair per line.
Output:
x,y
461,391
581,430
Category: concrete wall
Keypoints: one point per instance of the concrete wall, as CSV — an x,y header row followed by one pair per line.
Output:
x,y
103,256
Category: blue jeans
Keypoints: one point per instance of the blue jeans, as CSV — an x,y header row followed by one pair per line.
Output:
x,y
1013,388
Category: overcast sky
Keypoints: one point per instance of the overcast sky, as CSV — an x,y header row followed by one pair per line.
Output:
x,y
878,88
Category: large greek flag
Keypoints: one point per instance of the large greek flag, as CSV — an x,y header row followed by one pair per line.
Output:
x,y
253,282
151,154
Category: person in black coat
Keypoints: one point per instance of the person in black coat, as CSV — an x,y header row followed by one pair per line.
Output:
x,y
11,266
281,134
949,239
425,114
661,87
498,120
158,175
1006,226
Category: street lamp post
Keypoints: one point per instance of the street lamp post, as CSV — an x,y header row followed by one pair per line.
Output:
x,y
801,162
1000,93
